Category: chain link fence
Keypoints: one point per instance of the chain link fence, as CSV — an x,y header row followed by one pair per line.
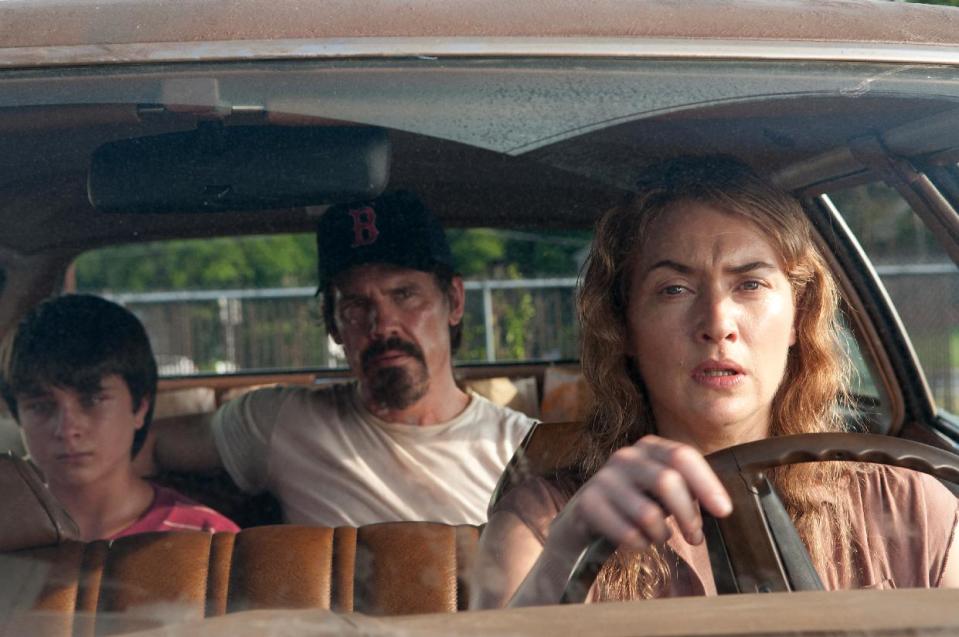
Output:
x,y
506,320
282,328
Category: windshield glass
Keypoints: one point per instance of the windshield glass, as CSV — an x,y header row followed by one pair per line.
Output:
x,y
330,431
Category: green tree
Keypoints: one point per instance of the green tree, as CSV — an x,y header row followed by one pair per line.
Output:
x,y
266,261
474,250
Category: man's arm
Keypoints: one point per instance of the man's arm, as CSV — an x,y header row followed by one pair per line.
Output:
x,y
180,443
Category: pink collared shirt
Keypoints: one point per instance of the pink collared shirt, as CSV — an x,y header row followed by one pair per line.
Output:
x,y
172,511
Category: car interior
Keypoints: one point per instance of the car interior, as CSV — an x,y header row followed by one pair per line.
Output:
x,y
205,151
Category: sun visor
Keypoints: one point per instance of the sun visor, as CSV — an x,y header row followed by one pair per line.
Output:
x,y
233,168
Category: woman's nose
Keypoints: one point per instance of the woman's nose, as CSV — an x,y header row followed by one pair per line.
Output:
x,y
718,322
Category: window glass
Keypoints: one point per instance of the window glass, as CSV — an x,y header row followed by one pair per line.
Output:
x,y
922,281
218,305
238,304
863,382
520,293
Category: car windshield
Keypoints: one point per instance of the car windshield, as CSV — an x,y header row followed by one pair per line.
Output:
x,y
215,252
557,160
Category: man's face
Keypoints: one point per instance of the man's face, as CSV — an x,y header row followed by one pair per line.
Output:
x,y
80,437
394,326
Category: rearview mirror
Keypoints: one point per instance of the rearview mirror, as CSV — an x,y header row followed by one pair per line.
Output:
x,y
219,168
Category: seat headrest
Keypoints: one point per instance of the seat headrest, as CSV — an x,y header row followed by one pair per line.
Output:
x,y
32,517
547,448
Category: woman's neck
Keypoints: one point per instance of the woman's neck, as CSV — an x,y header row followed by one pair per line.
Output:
x,y
710,437
103,509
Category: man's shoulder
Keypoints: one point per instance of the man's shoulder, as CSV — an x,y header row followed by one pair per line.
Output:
x,y
334,393
484,410
266,409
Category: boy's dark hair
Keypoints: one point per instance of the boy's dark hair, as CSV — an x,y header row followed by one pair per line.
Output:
x,y
73,341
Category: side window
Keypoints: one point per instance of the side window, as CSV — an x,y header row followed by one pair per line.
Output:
x,y
241,304
863,382
921,279
218,305
520,293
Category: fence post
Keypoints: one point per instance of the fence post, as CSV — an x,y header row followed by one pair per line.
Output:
x,y
488,322
230,317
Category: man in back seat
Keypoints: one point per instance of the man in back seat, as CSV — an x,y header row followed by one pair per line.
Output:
x,y
401,442
80,379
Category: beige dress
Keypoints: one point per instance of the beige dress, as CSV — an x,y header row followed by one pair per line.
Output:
x,y
901,531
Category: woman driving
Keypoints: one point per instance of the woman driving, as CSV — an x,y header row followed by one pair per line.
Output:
x,y
709,319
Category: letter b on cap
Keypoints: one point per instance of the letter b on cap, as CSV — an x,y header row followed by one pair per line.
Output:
x,y
364,226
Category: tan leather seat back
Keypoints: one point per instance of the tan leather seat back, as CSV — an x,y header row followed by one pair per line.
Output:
x,y
382,569
410,568
32,517
279,567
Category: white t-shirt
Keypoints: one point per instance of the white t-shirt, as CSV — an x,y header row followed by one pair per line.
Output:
x,y
332,463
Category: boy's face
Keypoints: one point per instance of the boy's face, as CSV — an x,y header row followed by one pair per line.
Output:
x,y
79,438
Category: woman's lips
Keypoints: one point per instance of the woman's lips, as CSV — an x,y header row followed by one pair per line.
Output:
x,y
718,374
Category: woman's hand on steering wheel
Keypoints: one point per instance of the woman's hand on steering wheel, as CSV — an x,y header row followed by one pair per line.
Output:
x,y
630,498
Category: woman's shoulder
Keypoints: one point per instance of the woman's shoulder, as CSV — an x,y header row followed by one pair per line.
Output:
x,y
908,504
905,526
899,486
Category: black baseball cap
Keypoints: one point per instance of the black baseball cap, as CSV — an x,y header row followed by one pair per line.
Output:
x,y
395,228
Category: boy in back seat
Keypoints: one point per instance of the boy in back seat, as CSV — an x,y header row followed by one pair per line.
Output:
x,y
80,379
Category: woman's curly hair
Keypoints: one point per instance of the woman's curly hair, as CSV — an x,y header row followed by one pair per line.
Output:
x,y
817,367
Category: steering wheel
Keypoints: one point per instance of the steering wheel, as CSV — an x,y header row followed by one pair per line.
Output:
x,y
757,547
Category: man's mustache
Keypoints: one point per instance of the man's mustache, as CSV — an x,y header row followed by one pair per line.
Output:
x,y
394,343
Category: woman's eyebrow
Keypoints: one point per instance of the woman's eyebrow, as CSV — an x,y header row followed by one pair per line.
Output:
x,y
751,266
671,265
736,269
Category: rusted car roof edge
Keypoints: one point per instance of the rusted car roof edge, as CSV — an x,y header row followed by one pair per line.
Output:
x,y
27,23
415,47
